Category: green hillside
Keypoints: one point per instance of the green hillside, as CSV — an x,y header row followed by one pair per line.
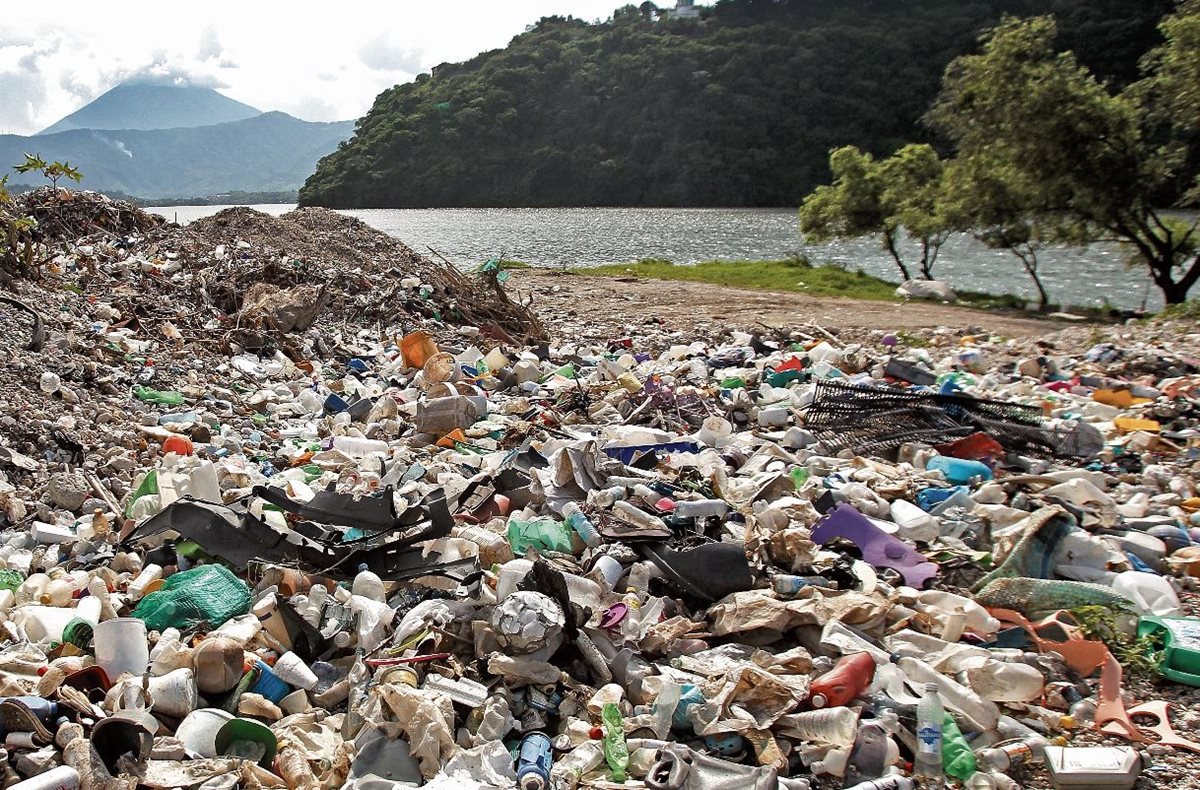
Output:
x,y
739,108
270,151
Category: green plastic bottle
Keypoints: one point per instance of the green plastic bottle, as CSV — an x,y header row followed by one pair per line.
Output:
x,y
957,758
615,749
166,398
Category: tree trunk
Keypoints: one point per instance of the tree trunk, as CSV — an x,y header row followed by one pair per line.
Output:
x,y
926,263
889,242
1030,262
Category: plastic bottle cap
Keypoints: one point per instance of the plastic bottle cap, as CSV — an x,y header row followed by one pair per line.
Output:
x,y
819,701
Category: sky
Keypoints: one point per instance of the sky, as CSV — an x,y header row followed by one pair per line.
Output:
x,y
318,61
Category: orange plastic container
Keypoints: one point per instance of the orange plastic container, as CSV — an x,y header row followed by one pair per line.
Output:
x,y
417,348
180,445
849,677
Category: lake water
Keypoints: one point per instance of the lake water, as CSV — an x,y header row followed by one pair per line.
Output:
x,y
590,236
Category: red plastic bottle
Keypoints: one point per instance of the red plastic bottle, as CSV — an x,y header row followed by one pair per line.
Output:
x,y
849,677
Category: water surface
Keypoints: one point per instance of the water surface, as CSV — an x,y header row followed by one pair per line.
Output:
x,y
1091,276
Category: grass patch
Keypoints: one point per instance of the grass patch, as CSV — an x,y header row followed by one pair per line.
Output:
x,y
793,274
514,265
1185,311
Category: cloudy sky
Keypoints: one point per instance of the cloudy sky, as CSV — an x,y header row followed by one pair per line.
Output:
x,y
318,61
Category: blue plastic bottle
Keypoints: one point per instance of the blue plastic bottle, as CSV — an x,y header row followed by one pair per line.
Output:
x,y
959,470
533,762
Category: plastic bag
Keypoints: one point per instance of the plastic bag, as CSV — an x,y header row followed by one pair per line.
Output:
x,y
209,593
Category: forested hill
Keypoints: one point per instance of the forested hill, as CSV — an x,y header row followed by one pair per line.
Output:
x,y
739,108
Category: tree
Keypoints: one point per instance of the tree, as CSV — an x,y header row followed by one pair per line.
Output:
x,y
994,205
51,171
1084,161
898,195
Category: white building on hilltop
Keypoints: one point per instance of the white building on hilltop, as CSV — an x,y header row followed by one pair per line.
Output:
x,y
684,9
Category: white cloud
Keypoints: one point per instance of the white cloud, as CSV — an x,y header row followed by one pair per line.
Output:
x,y
382,54
210,44
299,58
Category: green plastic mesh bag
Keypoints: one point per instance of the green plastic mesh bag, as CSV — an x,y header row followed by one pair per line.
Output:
x,y
207,594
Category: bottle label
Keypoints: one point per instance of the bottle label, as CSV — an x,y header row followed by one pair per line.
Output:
x,y
929,739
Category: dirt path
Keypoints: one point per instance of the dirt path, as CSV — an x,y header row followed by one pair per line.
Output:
x,y
607,306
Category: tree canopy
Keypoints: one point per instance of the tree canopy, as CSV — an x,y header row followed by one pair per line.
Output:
x,y
738,108
1050,151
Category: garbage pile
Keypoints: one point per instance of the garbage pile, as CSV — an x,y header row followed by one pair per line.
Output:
x,y
389,547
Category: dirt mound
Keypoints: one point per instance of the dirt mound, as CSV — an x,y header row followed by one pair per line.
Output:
x,y
311,264
63,215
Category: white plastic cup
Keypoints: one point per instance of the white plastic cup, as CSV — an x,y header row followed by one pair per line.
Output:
x,y
198,731
121,646
296,702
291,669
610,569
175,692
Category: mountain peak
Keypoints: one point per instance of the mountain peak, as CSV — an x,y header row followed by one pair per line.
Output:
x,y
142,105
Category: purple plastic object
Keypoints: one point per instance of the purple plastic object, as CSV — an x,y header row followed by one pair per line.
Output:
x,y
878,548
614,615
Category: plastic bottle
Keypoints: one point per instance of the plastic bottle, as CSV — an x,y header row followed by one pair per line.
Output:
x,y
1083,712
150,574
927,762
959,471
631,623
295,770
533,762
576,520
636,516
833,763
870,756
982,780
835,726
914,523
567,772
1150,593
315,606
615,750
98,589
606,497
894,782
368,585
62,588
1003,756
958,760
848,678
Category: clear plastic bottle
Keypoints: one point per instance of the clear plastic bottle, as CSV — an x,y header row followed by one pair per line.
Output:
x,y
1083,713
631,624
930,714
1003,756
576,520
605,497
368,585
567,772
982,780
836,726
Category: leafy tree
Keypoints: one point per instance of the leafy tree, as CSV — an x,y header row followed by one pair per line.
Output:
x,y
1083,160
993,204
739,110
890,198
